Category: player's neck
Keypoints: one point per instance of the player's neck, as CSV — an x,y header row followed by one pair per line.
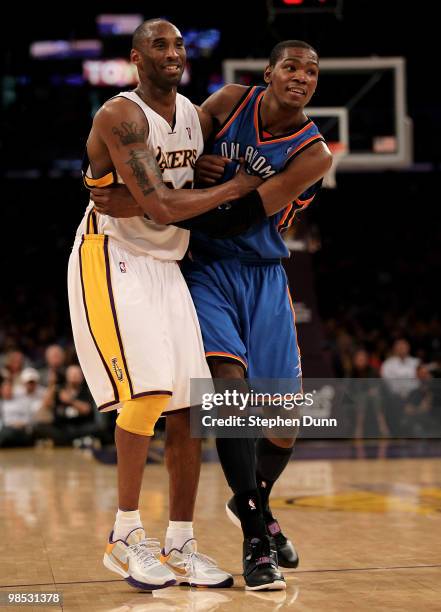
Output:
x,y
278,120
161,101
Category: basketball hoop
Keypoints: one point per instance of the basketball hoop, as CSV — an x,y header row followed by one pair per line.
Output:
x,y
338,150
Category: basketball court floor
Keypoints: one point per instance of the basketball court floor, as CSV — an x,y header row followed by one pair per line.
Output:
x,y
368,533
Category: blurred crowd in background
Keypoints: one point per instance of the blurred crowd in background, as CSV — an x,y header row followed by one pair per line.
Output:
x,y
376,261
46,401
375,281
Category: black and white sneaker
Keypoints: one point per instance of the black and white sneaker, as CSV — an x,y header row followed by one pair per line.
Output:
x,y
260,569
286,553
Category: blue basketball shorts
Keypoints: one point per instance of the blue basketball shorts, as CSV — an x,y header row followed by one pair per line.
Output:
x,y
246,315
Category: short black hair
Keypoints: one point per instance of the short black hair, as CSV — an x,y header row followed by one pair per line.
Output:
x,y
141,31
278,50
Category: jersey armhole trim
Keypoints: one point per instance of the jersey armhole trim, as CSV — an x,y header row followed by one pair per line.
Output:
x,y
238,107
302,147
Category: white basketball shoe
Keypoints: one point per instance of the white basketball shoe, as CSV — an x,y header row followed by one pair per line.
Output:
x,y
136,559
195,569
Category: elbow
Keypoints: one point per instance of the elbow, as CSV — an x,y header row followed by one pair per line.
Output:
x,y
328,162
157,217
160,212
162,216
163,212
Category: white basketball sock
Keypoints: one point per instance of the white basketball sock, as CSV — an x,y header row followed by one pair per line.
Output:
x,y
178,532
126,522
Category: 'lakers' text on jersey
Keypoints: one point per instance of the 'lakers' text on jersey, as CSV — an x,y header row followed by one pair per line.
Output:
x,y
242,136
176,159
176,149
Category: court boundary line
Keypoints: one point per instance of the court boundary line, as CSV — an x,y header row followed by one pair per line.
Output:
x,y
291,573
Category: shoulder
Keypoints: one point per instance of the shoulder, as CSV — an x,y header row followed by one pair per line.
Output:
x,y
118,108
184,102
120,115
232,92
317,154
224,99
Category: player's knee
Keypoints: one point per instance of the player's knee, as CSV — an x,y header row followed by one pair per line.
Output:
x,y
283,442
139,416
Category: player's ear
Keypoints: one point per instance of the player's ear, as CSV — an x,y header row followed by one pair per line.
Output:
x,y
267,74
135,58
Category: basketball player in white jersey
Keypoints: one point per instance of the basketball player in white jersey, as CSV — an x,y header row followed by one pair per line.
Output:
x,y
134,324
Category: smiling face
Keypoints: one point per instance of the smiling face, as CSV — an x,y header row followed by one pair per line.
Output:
x,y
160,55
293,78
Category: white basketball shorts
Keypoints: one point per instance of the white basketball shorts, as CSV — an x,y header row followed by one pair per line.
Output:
x,y
134,324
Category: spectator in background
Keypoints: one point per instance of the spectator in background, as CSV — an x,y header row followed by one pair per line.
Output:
x,y
400,369
361,367
399,374
54,372
365,392
417,418
33,392
16,418
345,349
12,368
70,408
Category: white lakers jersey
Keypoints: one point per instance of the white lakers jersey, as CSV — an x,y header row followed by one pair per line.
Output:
x,y
176,150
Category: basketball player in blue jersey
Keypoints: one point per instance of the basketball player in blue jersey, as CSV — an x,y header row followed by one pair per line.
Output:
x,y
238,284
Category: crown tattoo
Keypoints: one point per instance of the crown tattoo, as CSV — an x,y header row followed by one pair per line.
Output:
x,y
130,133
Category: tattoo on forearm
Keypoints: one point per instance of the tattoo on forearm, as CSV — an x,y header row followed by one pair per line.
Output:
x,y
129,133
137,162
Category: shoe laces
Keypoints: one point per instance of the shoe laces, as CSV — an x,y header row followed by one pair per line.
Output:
x,y
193,557
145,551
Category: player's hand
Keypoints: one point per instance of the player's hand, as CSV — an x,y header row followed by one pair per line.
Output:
x,y
116,202
244,181
209,169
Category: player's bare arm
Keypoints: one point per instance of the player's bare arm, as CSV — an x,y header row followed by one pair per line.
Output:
x,y
118,201
305,170
122,128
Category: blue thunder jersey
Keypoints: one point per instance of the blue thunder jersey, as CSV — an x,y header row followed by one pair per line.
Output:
x,y
242,136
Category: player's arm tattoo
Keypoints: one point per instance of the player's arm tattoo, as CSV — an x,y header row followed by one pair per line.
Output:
x,y
138,162
129,133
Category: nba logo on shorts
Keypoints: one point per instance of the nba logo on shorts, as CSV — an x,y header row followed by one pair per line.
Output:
x,y
189,132
122,266
251,504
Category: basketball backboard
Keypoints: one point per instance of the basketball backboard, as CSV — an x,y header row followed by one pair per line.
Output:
x,y
360,102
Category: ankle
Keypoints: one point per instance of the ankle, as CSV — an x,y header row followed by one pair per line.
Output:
x,y
178,533
249,509
125,522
